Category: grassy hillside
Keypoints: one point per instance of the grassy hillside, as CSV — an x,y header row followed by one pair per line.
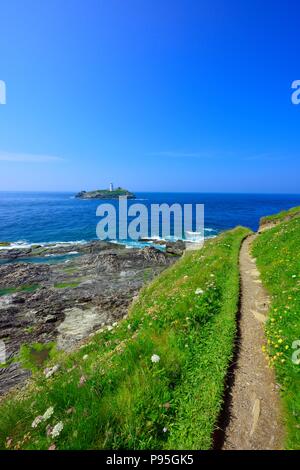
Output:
x,y
155,380
278,258
281,216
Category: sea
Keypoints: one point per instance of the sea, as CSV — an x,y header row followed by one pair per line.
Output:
x,y
48,217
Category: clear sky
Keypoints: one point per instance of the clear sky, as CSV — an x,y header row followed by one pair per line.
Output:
x,y
154,95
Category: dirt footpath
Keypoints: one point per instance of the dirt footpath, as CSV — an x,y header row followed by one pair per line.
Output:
x,y
253,408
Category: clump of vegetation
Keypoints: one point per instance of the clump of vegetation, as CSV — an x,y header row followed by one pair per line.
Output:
x,y
13,290
70,269
278,258
155,380
4,244
34,356
281,216
65,285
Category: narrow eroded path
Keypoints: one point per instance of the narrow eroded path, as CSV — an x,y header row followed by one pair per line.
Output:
x,y
253,408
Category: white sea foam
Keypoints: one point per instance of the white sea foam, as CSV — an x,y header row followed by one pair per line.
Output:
x,y
22,244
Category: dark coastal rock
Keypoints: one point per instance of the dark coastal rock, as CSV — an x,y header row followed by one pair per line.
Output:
x,y
153,240
60,249
67,301
152,254
176,248
15,253
21,274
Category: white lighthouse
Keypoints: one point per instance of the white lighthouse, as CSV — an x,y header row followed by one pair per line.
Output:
x,y
111,187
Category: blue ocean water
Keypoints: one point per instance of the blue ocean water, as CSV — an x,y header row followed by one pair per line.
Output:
x,y
59,217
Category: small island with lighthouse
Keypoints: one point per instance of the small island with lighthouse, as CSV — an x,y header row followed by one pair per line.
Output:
x,y
111,193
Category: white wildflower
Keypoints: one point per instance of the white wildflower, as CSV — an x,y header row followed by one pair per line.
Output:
x,y
48,413
165,429
36,421
155,358
57,429
50,371
199,291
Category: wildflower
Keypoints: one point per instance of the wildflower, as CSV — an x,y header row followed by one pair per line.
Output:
x,y
48,413
37,421
49,371
85,357
165,429
8,442
199,291
52,447
57,429
82,381
155,358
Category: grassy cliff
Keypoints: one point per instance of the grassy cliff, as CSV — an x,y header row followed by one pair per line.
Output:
x,y
277,251
155,380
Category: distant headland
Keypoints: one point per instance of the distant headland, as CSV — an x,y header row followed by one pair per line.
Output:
x,y
110,193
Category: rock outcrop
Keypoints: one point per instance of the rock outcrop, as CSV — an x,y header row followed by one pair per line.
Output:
x,y
66,301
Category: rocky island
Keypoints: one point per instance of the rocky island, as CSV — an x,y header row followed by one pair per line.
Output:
x,y
110,193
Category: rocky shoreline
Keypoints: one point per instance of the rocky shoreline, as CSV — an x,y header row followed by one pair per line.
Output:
x,y
91,285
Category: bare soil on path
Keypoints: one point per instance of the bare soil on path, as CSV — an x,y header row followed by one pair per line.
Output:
x,y
252,415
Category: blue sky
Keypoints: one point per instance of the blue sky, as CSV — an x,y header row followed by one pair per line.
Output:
x,y
154,95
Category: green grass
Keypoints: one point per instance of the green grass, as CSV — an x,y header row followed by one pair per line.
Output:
x,y
70,269
110,395
278,258
33,356
64,285
13,290
281,216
